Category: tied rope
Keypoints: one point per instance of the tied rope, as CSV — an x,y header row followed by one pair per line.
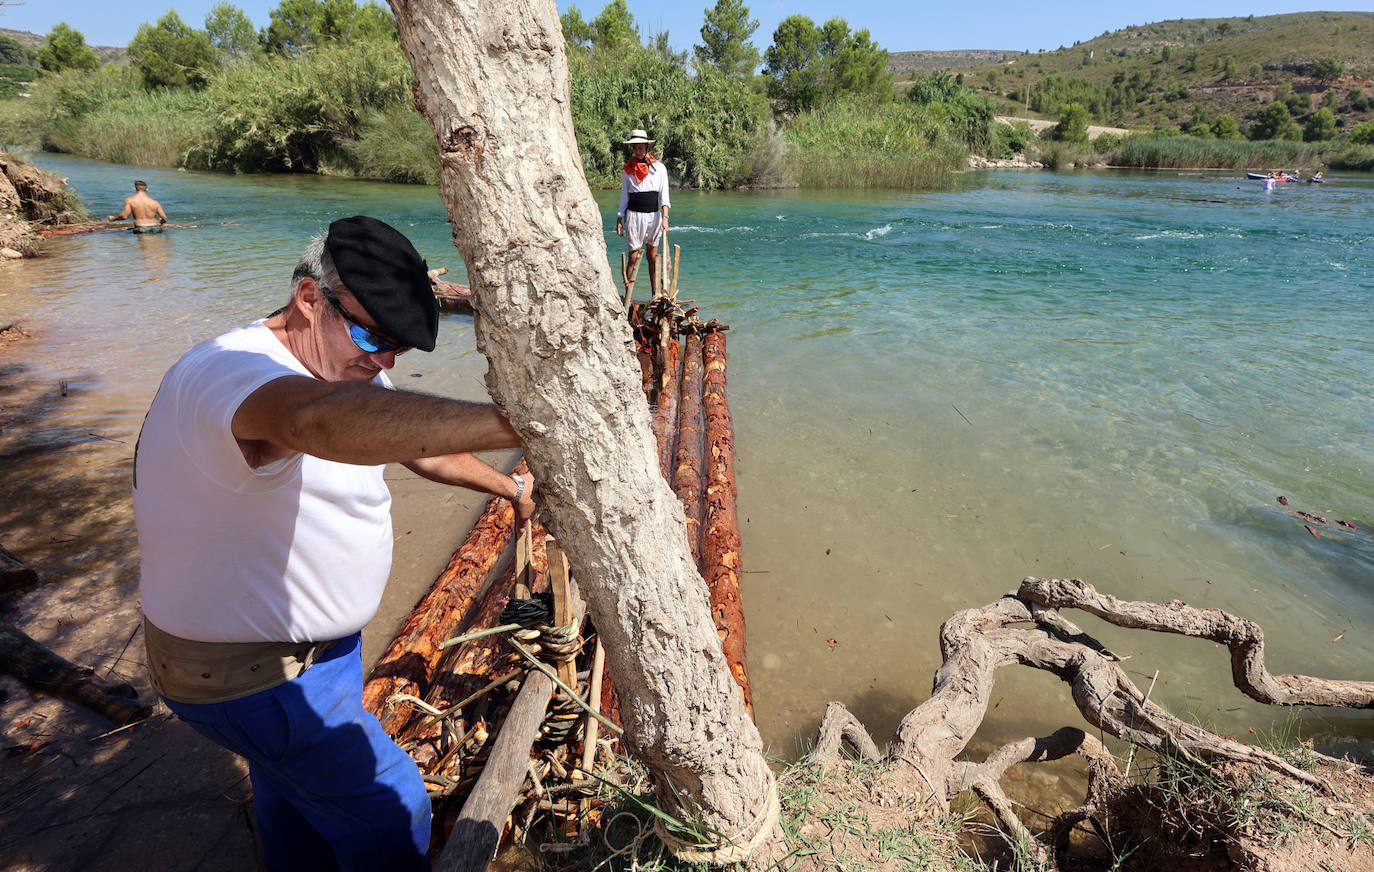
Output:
x,y
728,850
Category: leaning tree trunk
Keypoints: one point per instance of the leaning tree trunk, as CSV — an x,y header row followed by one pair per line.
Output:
x,y
492,79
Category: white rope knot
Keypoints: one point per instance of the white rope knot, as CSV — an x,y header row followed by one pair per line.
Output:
x,y
728,850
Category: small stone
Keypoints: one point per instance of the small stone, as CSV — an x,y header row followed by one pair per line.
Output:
x,y
10,253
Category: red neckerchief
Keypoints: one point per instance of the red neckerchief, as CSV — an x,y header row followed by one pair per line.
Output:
x,y
640,170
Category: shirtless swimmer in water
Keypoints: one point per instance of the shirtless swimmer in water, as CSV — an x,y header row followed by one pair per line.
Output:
x,y
147,212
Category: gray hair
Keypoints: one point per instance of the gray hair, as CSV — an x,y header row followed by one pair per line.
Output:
x,y
315,263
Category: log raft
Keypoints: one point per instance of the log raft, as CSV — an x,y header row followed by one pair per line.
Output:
x,y
468,709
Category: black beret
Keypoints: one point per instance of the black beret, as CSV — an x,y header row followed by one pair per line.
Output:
x,y
388,277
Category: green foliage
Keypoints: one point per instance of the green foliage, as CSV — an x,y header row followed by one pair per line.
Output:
x,y
1010,140
850,144
298,24
172,54
1363,134
614,29
1321,126
1227,127
808,64
706,126
140,128
725,35
12,51
395,144
1073,124
1187,152
1329,69
66,49
1353,157
969,115
231,32
1106,143
1062,154
577,33
1275,122
289,114
793,64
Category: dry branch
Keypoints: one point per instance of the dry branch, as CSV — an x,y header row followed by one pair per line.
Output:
x,y
1244,638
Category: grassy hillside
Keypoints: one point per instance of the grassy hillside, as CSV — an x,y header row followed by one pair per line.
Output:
x,y
1156,75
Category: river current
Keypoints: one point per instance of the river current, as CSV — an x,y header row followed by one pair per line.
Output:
x,y
1108,375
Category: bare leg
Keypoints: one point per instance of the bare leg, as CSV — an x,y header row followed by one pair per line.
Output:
x,y
631,273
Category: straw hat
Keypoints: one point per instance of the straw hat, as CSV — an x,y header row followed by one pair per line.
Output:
x,y
638,135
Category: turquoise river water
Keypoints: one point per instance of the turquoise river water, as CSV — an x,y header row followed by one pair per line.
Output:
x,y
1103,375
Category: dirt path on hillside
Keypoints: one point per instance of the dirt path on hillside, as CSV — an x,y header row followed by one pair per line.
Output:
x,y
1041,124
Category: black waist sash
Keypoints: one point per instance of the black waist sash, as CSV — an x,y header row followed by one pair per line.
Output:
x,y
642,201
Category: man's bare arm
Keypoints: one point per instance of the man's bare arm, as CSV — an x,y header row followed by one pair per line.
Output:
x,y
128,207
464,470
358,422
161,215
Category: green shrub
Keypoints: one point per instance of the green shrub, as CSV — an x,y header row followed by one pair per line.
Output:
x,y
707,127
286,114
1106,142
1062,154
1363,134
1353,157
395,144
143,129
1011,139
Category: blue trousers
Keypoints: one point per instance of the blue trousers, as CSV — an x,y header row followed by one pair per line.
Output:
x,y
331,791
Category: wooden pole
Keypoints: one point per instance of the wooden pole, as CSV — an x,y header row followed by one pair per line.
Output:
x,y
677,263
720,548
475,837
592,727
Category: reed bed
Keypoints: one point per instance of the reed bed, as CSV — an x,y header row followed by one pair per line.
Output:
x,y
1189,152
844,145
150,128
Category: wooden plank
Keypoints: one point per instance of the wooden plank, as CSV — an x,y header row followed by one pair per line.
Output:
x,y
475,837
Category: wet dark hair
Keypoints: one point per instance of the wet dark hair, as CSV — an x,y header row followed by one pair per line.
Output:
x,y
140,185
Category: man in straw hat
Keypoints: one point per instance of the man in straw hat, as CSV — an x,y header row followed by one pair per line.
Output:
x,y
265,525
643,213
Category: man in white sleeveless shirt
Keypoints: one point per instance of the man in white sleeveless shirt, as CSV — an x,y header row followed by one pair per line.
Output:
x,y
265,529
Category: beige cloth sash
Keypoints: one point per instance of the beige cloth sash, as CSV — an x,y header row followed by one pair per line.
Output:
x,y
185,670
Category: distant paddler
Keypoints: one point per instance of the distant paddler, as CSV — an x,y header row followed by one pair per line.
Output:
x,y
147,212
642,216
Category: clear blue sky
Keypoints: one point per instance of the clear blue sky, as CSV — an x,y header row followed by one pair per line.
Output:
x,y
897,25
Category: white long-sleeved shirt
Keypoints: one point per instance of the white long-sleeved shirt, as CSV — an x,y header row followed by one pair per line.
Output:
x,y
656,180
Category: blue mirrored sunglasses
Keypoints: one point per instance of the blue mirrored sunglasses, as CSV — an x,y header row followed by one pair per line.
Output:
x,y
362,337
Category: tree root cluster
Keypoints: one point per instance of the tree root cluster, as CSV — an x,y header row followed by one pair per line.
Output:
x,y
1206,792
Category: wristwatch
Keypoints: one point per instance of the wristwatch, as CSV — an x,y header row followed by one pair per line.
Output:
x,y
519,488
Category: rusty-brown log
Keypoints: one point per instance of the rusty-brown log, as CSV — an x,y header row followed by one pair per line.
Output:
x,y
687,472
466,668
409,661
665,415
720,543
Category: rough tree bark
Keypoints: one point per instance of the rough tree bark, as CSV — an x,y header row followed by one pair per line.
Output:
x,y
492,80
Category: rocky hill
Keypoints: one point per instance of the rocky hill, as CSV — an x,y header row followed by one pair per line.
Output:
x,y
1158,75
116,54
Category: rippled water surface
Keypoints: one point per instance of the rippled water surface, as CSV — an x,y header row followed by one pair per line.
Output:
x,y
1109,376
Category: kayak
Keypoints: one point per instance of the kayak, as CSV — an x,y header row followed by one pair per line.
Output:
x,y
1263,176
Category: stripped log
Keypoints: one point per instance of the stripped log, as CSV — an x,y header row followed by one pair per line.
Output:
x,y
665,415
44,672
475,837
687,472
720,546
452,297
409,662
